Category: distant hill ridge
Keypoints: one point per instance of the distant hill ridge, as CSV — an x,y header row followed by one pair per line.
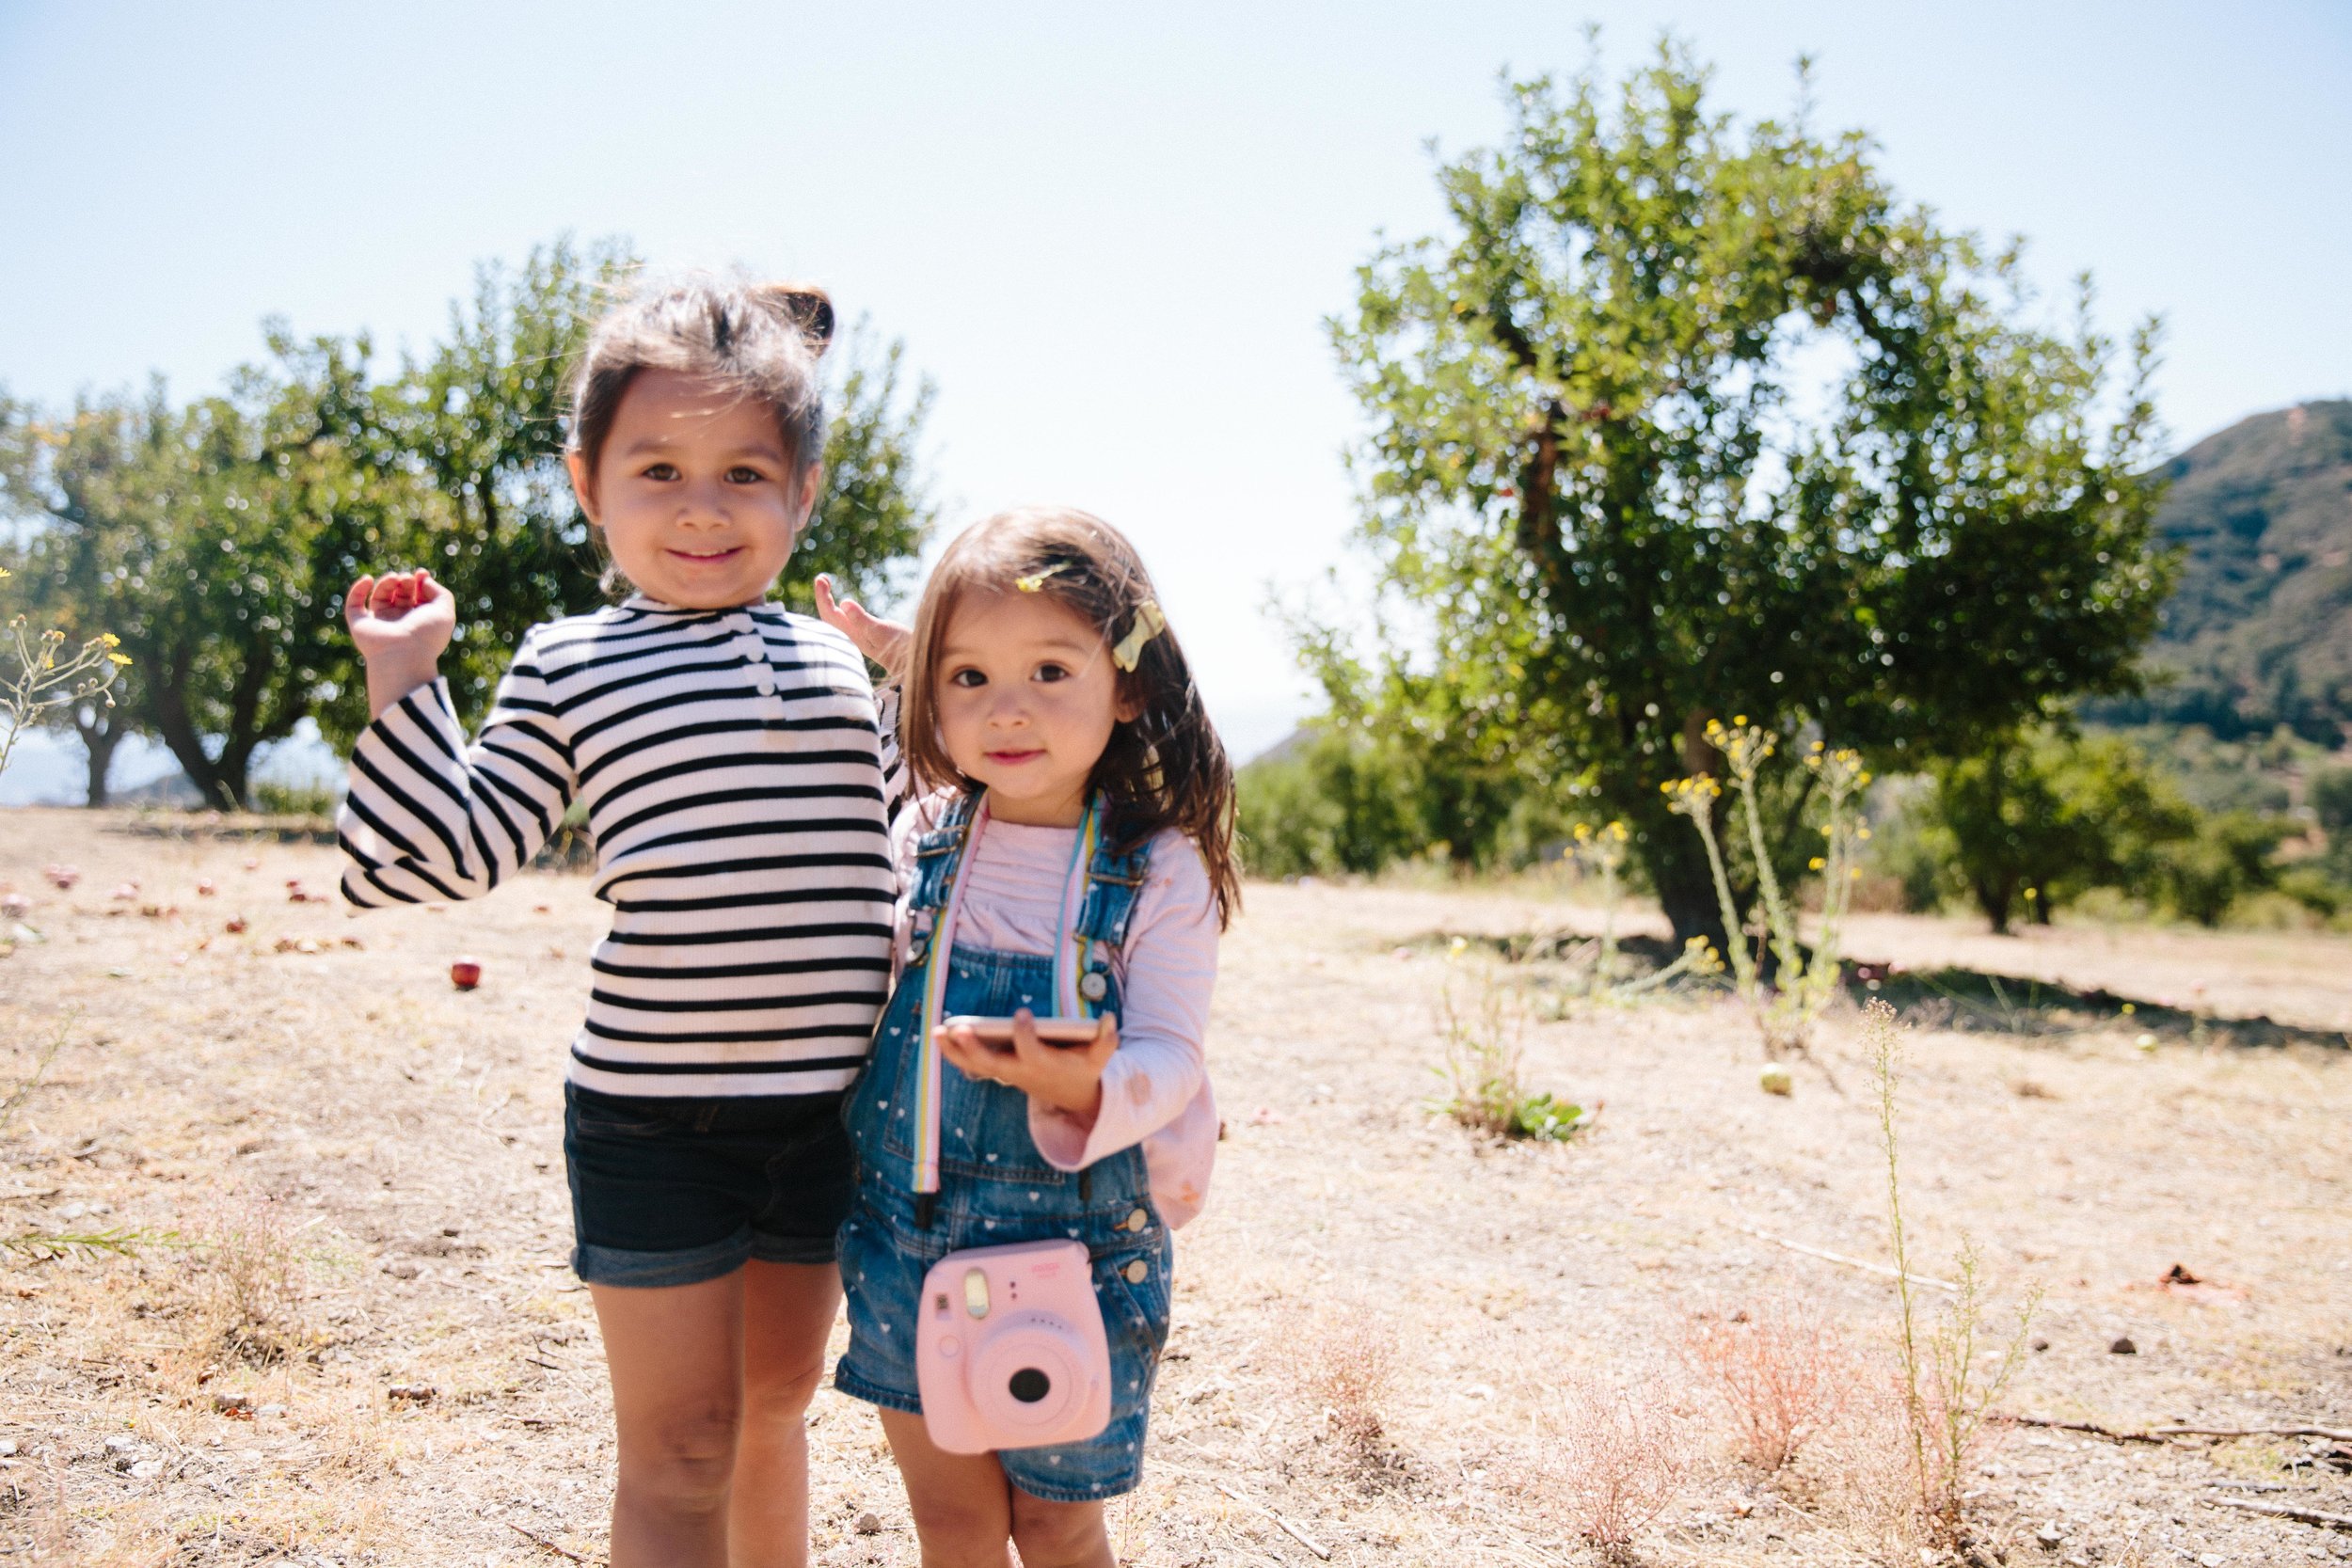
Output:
x,y
2259,632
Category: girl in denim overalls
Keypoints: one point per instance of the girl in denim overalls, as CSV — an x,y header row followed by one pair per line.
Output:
x,y
1079,795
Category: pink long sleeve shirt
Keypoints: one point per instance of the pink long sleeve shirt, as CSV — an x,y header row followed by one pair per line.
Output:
x,y
1155,1088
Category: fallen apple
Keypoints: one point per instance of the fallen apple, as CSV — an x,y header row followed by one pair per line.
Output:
x,y
465,973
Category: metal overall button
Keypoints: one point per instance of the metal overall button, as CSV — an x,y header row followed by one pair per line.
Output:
x,y
1138,1220
1092,985
1138,1271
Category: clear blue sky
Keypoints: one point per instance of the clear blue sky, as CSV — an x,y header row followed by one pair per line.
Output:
x,y
1111,233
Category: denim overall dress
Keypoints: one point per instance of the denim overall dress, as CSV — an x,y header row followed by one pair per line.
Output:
x,y
994,1186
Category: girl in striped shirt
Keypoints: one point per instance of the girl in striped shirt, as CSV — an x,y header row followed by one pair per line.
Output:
x,y
738,787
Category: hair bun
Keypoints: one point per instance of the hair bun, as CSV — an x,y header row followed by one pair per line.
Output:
x,y
808,307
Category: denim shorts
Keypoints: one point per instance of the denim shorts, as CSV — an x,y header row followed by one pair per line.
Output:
x,y
884,1255
676,1192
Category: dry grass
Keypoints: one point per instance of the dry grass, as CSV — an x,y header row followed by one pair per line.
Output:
x,y
1610,1459
1779,1368
402,1141
1342,1360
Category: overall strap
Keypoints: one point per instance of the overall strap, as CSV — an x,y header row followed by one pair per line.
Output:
x,y
936,857
1114,876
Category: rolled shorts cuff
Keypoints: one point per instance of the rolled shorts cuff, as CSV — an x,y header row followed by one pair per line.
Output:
x,y
846,1381
606,1265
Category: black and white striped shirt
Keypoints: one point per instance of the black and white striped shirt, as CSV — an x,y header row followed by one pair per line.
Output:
x,y
738,787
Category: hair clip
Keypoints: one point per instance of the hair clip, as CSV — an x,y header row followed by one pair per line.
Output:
x,y
1035,580
1149,623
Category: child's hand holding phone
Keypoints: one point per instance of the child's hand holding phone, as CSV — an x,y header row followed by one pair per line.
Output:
x,y
1066,1077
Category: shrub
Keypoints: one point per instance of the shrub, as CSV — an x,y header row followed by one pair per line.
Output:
x,y
2228,859
252,1279
1323,802
1779,1366
1341,1358
1612,1459
304,797
1483,1061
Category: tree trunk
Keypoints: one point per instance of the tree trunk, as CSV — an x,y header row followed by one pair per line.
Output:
x,y
1993,898
1676,860
178,732
99,739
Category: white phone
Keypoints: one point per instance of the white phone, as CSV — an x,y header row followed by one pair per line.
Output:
x,y
998,1031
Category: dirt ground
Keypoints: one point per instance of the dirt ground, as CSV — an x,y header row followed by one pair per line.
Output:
x,y
346,1332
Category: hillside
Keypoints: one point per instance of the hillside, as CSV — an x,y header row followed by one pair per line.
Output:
x,y
2260,631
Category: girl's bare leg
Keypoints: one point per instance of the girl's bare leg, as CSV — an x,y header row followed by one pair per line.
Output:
x,y
788,1310
675,1355
965,1509
711,1384
962,1504
1060,1535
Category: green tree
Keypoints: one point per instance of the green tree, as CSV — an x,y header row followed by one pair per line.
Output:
x,y
1606,501
2042,817
64,589
481,418
2330,795
2229,857
209,538
1326,801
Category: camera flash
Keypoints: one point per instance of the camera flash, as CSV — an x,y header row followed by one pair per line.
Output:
x,y
975,1292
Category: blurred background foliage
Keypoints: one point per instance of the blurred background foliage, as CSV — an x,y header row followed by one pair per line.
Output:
x,y
215,537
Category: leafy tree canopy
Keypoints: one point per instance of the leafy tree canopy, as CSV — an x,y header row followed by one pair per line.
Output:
x,y
1608,493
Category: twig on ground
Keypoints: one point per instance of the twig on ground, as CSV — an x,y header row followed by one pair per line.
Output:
x,y
1290,1529
2159,1434
546,1545
2091,1427
2281,1510
2342,1434
1864,1264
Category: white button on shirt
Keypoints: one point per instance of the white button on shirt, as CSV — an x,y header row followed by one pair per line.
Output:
x,y
754,652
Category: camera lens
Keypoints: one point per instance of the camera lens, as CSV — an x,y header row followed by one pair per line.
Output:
x,y
1029,1385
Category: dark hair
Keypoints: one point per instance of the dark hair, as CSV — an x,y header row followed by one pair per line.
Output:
x,y
761,340
1166,767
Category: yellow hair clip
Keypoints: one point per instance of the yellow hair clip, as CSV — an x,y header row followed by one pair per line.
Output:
x,y
1035,580
1149,623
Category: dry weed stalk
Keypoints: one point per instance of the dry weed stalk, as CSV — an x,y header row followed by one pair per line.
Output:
x,y
47,676
1613,1459
1945,1399
1601,852
1780,1368
1802,984
1343,1359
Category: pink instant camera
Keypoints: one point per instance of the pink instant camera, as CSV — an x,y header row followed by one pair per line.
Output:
x,y
1009,1349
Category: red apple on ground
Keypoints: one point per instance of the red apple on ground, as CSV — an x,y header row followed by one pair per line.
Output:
x,y
465,973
